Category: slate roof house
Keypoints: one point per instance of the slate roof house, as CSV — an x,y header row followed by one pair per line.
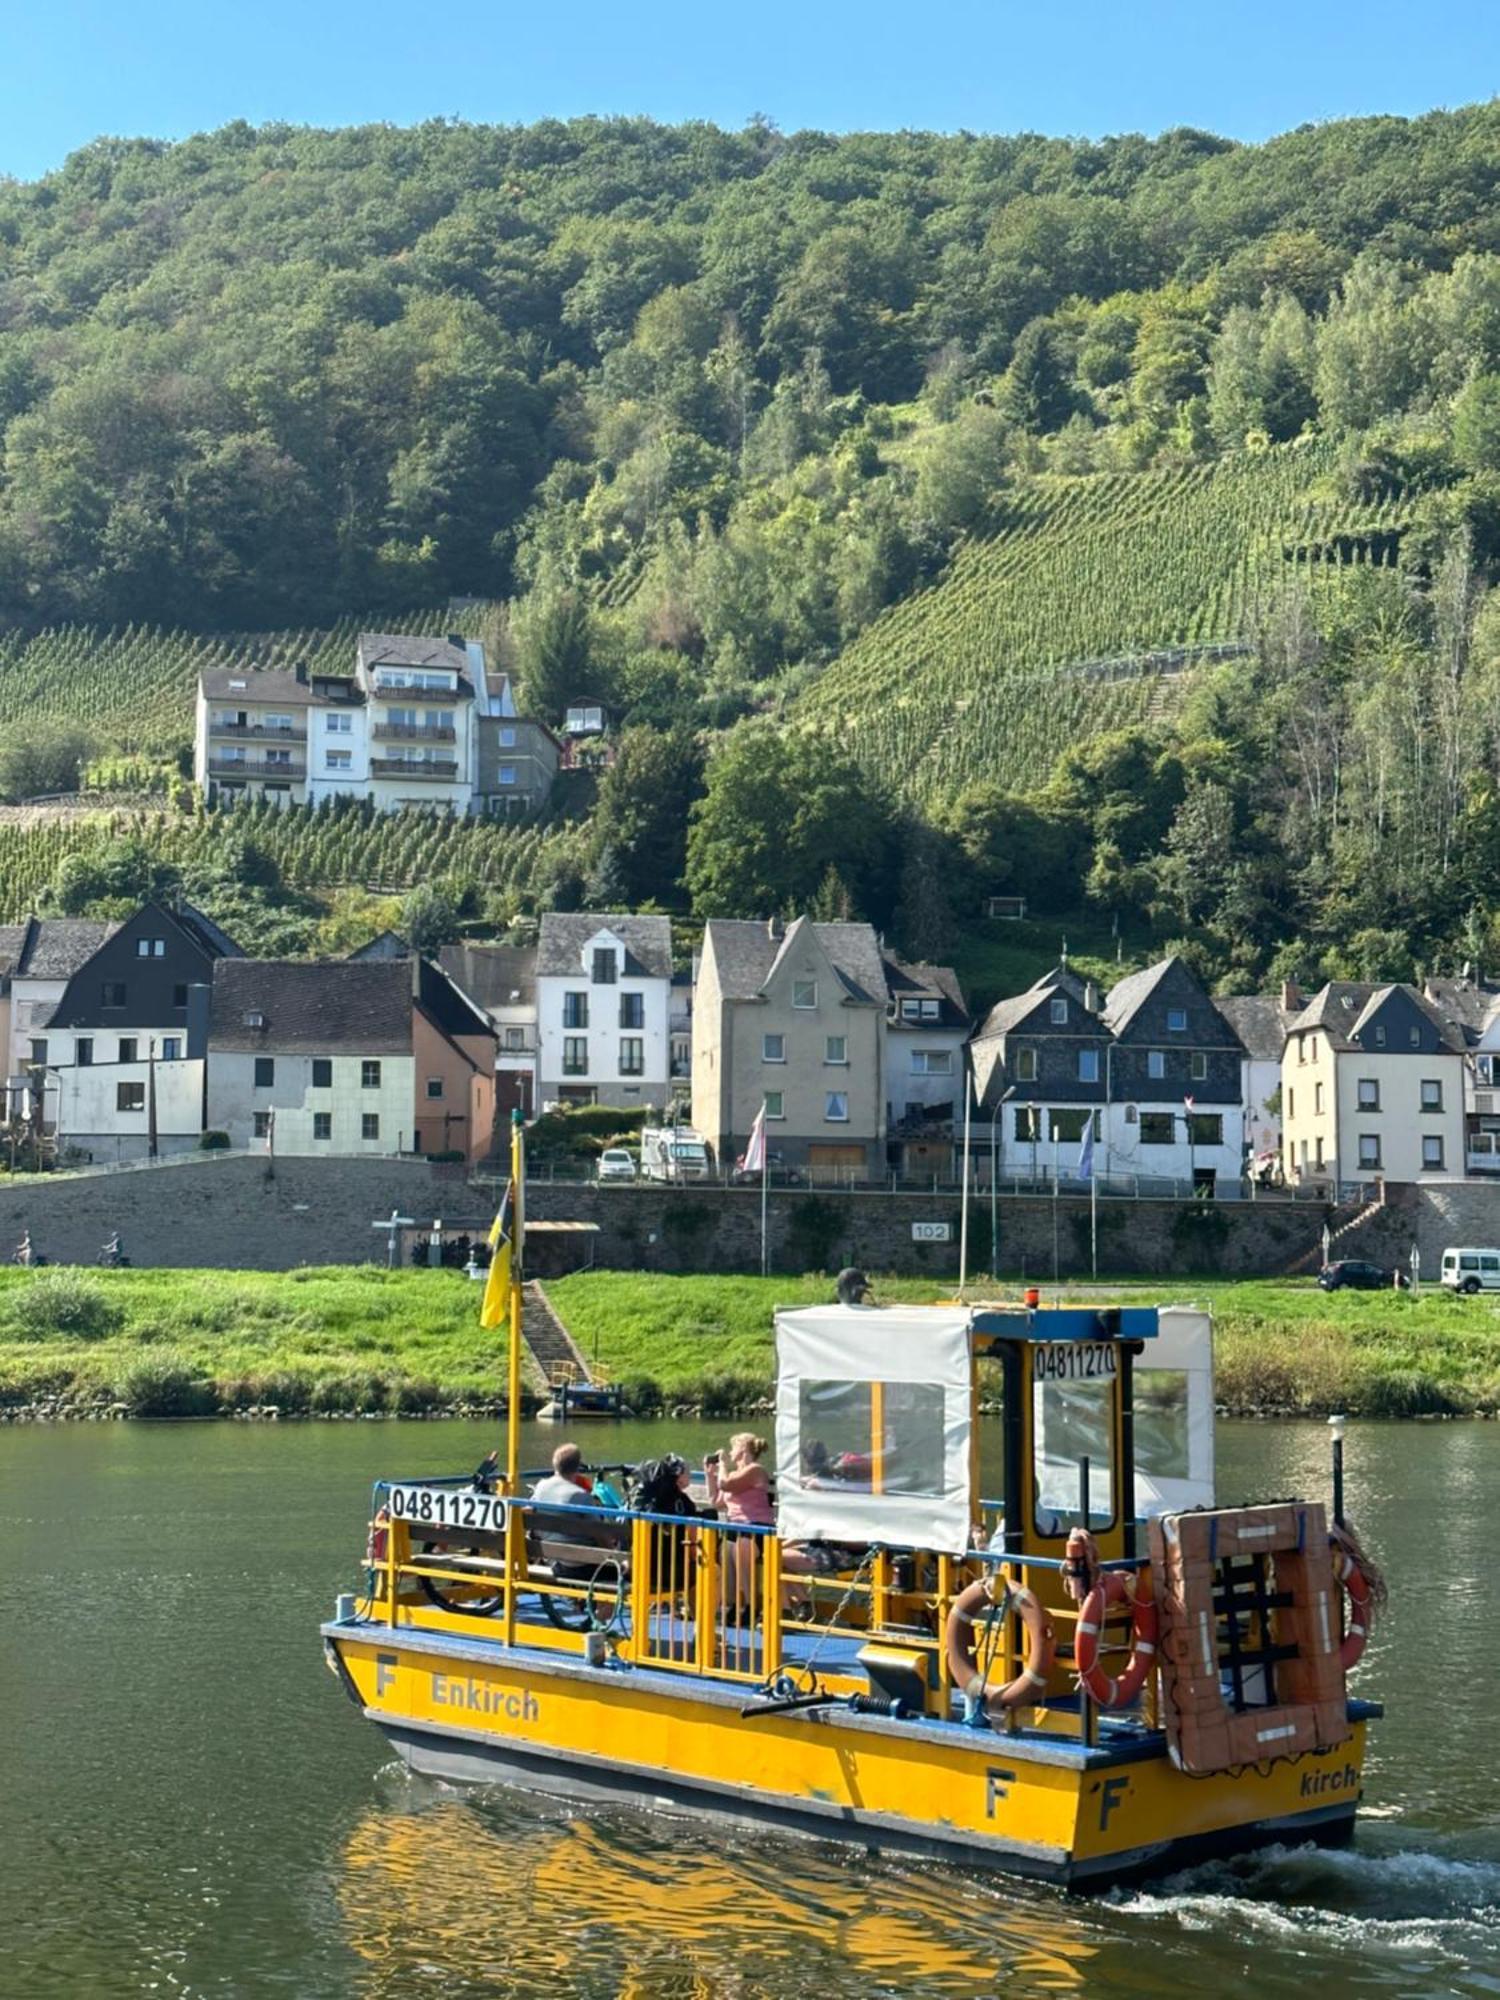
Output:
x,y
126,1041
603,985
1372,1088
373,1057
501,978
793,1018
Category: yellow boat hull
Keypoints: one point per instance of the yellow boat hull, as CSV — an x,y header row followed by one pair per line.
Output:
x,y
1034,1803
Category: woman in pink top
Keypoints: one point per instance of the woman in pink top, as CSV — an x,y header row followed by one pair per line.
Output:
x,y
742,1493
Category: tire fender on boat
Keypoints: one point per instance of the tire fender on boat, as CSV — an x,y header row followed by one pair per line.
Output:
x,y
1115,1588
978,1601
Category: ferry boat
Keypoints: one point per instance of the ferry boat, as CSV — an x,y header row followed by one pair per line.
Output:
x,y
1094,1674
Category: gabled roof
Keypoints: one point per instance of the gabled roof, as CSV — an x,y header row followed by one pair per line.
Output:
x,y
564,935
746,955
906,980
1128,995
496,975
1467,1005
1019,1007
406,649
445,1003
1345,1008
60,946
1260,1021
203,931
312,1008
385,944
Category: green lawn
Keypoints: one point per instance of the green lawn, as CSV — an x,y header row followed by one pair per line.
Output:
x,y
178,1343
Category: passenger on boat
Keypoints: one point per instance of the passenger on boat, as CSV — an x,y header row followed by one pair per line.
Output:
x,y
741,1490
566,1485
662,1487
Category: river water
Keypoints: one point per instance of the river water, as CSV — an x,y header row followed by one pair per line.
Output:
x,y
189,1806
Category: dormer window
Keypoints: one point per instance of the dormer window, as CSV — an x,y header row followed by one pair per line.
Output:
x,y
911,1010
605,964
930,1010
254,1018
804,992
1060,1013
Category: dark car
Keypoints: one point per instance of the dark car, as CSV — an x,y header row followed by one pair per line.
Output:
x,y
1353,1275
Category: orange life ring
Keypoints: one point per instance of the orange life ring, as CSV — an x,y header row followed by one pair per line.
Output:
x,y
1115,1588
1041,1647
1356,1587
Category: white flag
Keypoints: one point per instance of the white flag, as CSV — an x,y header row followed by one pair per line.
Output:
x,y
755,1152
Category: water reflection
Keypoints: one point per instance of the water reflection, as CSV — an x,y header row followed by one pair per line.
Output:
x,y
500,1892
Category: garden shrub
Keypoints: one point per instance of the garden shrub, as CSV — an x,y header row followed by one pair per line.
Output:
x,y
64,1305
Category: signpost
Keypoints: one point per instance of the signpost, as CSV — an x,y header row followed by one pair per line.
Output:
x,y
393,1225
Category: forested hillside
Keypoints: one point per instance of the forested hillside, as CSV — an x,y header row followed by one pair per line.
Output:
x,y
913,443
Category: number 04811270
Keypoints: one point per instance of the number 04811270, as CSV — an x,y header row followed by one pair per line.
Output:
x,y
1077,1361
445,1507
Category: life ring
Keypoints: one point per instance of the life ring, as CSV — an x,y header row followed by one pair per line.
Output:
x,y
1356,1588
1115,1588
1041,1647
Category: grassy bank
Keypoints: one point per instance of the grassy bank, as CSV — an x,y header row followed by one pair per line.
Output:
x,y
1281,1347
338,1341
205,1343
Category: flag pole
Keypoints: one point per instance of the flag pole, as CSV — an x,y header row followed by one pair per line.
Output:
x,y
765,1195
1093,1212
963,1212
518,1237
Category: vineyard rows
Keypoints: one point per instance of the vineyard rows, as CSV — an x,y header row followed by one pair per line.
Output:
x,y
979,676
314,848
134,686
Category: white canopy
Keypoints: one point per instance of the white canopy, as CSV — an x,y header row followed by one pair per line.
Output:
x,y
1182,1476
872,1425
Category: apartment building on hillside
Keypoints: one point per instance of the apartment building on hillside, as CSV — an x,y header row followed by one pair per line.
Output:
x,y
416,722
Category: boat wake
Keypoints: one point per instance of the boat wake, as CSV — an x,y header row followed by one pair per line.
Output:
x,y
1403,1905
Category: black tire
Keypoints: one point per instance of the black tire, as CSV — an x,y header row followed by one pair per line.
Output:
x,y
602,1605
1469,1287
434,1591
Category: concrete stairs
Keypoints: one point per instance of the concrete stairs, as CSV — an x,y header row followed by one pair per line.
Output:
x,y
1339,1240
552,1347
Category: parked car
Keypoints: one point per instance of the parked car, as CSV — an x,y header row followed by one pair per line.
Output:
x,y
1471,1270
1352,1274
615,1164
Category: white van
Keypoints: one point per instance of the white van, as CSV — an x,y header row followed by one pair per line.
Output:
x,y
1471,1270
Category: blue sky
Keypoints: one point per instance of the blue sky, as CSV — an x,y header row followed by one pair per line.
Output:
x,y
73,69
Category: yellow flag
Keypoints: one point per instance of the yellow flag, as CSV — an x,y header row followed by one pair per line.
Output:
x,y
496,1303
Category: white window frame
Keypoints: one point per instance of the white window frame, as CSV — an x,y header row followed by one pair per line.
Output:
x,y
1432,1142
775,1101
338,725
839,1043
1025,1065
1058,1011
1088,1065
770,1055
835,1107
1177,1020
1156,1064
805,986
932,1062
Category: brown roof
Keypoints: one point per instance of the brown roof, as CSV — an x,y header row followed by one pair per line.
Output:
x,y
315,1009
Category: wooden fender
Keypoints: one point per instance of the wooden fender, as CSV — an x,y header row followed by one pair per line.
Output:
x,y
1041,1647
1115,1588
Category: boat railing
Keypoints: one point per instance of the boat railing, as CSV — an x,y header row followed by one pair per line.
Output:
x,y
694,1595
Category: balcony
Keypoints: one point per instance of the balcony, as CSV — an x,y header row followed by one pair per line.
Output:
x,y
416,732
412,696
259,732
432,770
1482,1153
242,767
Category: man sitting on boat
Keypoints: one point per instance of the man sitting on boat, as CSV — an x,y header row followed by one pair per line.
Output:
x,y
566,1486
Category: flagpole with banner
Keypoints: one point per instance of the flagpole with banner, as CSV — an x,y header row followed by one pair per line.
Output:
x,y
502,1301
758,1154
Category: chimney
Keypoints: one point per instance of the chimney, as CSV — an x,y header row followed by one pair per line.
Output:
x,y
301,673
458,639
774,928
1291,997
1091,996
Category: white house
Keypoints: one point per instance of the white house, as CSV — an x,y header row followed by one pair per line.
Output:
x,y
927,1025
603,1000
40,956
